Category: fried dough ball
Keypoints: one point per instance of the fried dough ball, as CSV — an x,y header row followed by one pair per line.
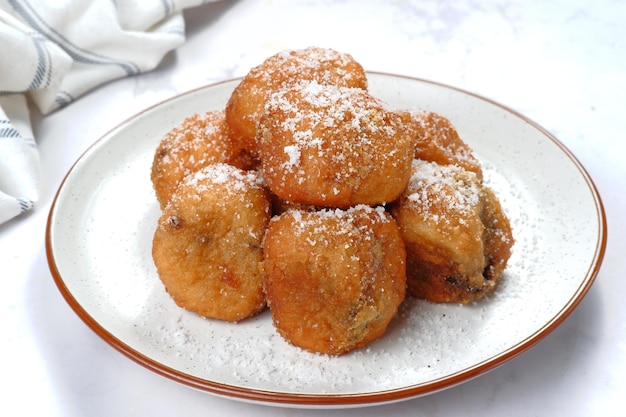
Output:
x,y
207,245
437,140
332,146
326,66
335,278
458,239
200,140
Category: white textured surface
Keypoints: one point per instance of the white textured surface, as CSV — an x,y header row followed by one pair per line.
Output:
x,y
560,63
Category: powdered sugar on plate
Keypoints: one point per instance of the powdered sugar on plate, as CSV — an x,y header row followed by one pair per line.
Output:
x,y
106,210
424,342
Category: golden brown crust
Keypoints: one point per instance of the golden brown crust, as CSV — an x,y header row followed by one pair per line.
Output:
x,y
325,66
335,278
208,254
457,237
332,146
498,236
437,140
199,140
331,263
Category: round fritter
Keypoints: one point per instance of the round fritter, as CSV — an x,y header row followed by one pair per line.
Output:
x,y
326,66
332,146
458,239
199,140
335,278
207,245
437,140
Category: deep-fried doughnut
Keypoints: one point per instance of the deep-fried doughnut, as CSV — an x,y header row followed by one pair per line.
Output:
x,y
458,239
335,278
199,140
437,140
326,66
333,146
207,245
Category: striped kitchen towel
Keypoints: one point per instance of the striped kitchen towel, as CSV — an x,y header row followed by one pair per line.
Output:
x,y
56,51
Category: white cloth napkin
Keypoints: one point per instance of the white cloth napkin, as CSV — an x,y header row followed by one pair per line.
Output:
x,y
53,52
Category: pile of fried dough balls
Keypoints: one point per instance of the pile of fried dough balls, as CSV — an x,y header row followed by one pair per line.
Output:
x,y
310,196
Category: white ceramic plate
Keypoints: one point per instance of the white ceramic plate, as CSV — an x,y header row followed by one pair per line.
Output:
x,y
99,237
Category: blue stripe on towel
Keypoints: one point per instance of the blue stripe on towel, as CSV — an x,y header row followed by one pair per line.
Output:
x,y
63,98
25,204
9,132
78,54
43,74
167,8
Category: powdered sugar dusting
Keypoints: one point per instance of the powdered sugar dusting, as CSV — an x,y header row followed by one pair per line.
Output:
x,y
220,173
333,141
423,342
197,138
328,64
316,224
436,135
426,344
329,106
448,187
293,151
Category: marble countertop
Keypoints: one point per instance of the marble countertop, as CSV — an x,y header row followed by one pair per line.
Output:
x,y
560,63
